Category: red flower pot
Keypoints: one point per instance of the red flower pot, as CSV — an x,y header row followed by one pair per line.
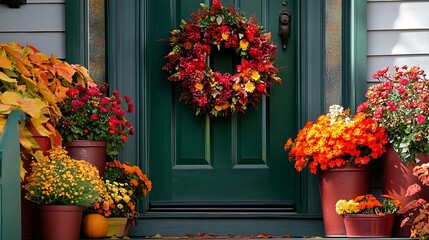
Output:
x,y
346,182
368,225
61,222
93,152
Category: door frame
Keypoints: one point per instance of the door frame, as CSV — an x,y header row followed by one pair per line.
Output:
x,y
127,22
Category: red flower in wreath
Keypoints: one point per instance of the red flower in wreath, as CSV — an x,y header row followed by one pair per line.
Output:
x,y
211,92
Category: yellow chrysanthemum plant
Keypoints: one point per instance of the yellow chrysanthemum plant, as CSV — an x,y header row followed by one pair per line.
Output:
x,y
368,204
57,179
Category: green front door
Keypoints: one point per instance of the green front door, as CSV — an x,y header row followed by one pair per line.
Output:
x,y
203,164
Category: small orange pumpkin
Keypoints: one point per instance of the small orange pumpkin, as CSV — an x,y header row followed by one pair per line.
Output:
x,y
95,225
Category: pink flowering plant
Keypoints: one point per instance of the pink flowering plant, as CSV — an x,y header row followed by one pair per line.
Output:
x,y
87,113
400,104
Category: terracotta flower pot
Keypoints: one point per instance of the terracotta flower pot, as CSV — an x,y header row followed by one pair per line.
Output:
x,y
93,152
368,225
397,176
61,222
346,182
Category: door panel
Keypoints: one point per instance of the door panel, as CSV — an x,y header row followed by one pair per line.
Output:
x,y
219,161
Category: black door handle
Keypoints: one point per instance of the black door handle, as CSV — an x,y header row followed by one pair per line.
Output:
x,y
285,26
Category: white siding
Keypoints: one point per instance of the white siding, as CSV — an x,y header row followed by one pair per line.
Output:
x,y
40,23
398,33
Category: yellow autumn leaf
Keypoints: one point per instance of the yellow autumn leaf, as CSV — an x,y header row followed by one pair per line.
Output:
x,y
2,124
218,108
29,82
22,170
83,75
5,63
10,98
38,155
255,75
249,87
6,78
244,44
5,109
46,93
38,125
25,142
59,90
32,106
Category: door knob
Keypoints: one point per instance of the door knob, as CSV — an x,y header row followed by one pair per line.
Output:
x,y
284,27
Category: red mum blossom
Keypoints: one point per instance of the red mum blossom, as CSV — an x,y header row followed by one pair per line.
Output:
x,y
94,117
104,101
217,4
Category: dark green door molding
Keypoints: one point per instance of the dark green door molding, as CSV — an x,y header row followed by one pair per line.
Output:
x,y
76,32
354,52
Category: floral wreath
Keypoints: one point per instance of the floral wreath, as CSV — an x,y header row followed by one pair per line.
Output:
x,y
211,92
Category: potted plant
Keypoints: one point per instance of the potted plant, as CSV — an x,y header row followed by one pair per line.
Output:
x,y
62,186
125,183
365,216
90,118
399,104
34,83
338,146
417,210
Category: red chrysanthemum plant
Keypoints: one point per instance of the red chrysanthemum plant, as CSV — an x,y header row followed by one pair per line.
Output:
x,y
400,104
336,139
87,113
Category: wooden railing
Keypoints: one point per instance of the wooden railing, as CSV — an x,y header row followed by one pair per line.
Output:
x,y
10,185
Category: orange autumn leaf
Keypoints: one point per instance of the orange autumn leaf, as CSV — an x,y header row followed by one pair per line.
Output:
x,y
5,63
24,71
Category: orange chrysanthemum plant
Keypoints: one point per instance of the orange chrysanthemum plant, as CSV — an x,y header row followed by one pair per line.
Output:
x,y
124,185
336,139
368,204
